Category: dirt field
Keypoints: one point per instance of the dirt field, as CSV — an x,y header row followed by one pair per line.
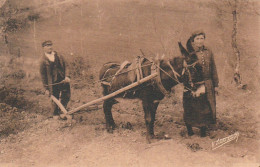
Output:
x,y
90,33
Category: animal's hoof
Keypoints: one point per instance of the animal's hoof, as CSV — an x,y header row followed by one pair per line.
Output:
x,y
148,141
203,135
167,137
190,133
114,126
110,130
152,137
149,138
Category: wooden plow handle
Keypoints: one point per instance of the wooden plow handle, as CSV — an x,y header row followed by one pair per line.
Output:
x,y
62,108
114,93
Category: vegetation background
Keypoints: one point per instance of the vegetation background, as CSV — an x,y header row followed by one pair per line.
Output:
x,y
91,33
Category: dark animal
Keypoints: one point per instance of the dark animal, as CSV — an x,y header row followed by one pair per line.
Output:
x,y
194,79
150,93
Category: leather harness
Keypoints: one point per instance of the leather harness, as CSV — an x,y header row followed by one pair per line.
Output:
x,y
158,80
155,68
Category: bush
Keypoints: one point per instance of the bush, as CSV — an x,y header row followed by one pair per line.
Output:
x,y
33,17
13,97
13,24
6,108
11,121
78,67
17,74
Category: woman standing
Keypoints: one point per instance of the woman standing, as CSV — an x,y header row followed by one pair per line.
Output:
x,y
201,111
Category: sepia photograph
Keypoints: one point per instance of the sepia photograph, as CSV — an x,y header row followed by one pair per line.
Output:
x,y
129,83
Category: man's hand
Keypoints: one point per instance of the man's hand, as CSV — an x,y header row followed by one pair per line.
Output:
x,y
67,80
47,92
216,91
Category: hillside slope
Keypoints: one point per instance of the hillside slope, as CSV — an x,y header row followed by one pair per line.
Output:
x,y
91,33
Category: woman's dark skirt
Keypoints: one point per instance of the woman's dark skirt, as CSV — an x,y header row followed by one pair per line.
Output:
x,y
197,111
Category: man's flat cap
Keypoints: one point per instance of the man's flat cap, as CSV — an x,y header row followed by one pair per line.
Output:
x,y
46,43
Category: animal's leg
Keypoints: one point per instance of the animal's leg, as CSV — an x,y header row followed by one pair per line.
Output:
x,y
110,124
149,116
203,131
154,107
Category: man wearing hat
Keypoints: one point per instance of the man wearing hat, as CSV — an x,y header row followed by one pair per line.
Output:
x,y
201,111
54,75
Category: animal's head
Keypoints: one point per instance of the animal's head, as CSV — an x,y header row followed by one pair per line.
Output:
x,y
171,71
189,55
193,70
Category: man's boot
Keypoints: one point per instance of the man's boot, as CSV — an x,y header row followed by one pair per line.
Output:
x,y
189,129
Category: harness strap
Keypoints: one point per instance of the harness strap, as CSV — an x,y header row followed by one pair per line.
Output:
x,y
193,64
185,67
158,80
139,72
122,66
140,66
199,83
176,75
189,74
105,82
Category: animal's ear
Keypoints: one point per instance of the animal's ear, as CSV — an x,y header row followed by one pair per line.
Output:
x,y
184,52
189,46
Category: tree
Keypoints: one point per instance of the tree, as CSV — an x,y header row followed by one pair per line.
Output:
x,y
234,8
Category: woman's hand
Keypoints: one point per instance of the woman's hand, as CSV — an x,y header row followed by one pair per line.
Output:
x,y
47,92
67,80
216,90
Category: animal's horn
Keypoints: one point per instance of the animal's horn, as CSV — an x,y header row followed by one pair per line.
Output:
x,y
183,50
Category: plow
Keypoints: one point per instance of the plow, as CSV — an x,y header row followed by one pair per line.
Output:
x,y
67,114
155,75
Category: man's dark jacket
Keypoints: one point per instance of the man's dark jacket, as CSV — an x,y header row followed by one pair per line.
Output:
x,y
52,72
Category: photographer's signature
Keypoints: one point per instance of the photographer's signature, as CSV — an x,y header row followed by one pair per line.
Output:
x,y
221,142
